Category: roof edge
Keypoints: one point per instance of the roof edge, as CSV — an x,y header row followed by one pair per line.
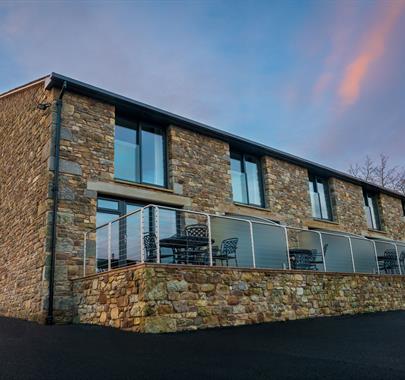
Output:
x,y
23,86
56,80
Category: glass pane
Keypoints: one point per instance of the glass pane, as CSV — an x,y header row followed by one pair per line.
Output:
x,y
225,231
368,216
324,200
102,241
168,227
364,255
109,204
153,161
253,181
305,250
270,246
387,257
316,207
401,253
125,154
337,253
372,204
132,229
239,190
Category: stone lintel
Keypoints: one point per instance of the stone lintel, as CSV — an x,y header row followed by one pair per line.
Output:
x,y
141,194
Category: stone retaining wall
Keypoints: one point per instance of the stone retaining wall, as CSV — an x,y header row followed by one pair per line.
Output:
x,y
167,298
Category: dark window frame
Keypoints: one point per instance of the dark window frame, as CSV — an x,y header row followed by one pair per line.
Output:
x,y
403,207
242,159
137,126
314,179
369,194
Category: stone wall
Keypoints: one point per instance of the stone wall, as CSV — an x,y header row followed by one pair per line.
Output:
x,y
286,191
87,154
152,298
347,200
24,133
392,216
199,168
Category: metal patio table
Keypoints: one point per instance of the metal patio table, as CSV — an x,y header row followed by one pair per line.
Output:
x,y
184,247
295,252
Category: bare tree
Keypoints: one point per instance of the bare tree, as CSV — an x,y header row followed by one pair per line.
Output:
x,y
380,173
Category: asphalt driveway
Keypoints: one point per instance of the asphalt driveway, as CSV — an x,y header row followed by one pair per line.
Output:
x,y
368,346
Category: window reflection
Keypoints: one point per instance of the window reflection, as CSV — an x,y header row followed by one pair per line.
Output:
x,y
320,198
139,153
246,180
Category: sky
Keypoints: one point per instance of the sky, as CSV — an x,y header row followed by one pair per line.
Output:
x,y
324,80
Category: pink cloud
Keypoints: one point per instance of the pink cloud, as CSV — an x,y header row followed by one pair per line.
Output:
x,y
373,47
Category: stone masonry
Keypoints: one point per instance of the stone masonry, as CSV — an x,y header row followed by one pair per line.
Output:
x,y
286,189
199,167
151,298
392,216
347,202
24,133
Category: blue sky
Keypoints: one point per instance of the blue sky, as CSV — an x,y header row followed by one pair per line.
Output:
x,y
320,79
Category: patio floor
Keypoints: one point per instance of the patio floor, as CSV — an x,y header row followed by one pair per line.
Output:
x,y
368,346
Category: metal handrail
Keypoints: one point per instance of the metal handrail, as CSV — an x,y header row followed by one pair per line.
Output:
x,y
251,223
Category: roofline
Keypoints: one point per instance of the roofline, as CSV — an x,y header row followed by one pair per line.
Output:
x,y
23,87
56,80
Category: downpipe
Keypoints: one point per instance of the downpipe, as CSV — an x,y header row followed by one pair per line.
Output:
x,y
55,199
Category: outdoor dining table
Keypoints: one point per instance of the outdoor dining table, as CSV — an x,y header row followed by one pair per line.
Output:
x,y
294,252
182,244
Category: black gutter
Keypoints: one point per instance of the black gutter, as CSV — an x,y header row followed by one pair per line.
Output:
x,y
55,198
57,80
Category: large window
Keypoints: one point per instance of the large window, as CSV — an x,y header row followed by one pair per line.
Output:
x,y
371,209
320,198
139,153
246,179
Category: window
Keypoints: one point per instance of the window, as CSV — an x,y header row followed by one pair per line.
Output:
x,y
403,207
246,179
371,209
320,198
125,242
139,153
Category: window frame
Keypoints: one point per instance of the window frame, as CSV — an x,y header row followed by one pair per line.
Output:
x,y
314,179
243,170
403,207
369,194
136,125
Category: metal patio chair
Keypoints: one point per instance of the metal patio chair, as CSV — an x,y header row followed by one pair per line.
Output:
x,y
389,262
196,244
150,247
226,252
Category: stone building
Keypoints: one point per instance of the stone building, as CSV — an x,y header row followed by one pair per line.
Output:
x,y
74,156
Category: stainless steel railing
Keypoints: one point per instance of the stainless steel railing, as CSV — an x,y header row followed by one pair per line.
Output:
x,y
163,234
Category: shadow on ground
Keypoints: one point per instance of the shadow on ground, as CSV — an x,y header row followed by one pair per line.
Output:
x,y
370,346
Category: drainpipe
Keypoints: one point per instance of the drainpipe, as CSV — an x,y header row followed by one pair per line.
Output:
x,y
55,198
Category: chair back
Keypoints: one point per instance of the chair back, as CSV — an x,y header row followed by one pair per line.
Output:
x,y
229,246
149,243
390,259
196,230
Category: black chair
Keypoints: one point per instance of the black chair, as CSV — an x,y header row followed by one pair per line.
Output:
x,y
226,252
196,249
304,259
150,247
389,262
